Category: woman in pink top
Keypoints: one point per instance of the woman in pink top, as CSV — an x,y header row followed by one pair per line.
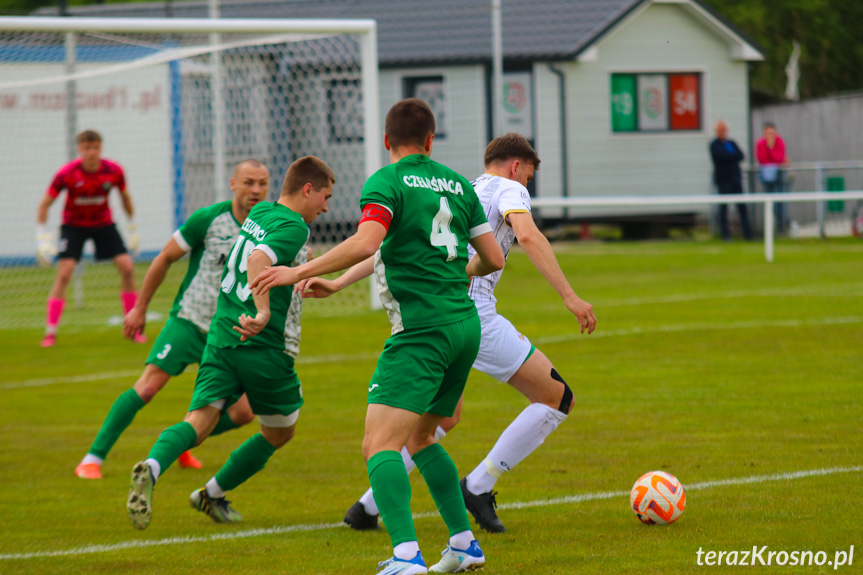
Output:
x,y
770,153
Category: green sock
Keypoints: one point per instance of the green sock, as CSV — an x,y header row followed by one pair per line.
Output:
x,y
124,410
441,476
225,424
172,443
392,491
245,461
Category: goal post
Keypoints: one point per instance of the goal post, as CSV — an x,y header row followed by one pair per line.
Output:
x,y
175,108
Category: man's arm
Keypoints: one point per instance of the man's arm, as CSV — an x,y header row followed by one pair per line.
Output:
x,y
128,206
252,326
42,210
488,258
539,251
361,246
320,288
136,319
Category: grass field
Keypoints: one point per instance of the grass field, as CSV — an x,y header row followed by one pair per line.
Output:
x,y
737,376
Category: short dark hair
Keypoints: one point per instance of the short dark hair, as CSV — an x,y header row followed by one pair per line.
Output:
x,y
409,122
511,146
769,125
251,162
88,136
307,170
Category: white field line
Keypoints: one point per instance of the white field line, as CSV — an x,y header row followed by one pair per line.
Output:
x,y
823,291
702,327
636,330
107,548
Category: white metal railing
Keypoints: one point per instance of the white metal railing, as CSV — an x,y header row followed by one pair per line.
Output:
x,y
820,170
767,199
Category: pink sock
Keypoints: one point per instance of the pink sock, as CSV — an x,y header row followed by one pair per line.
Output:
x,y
55,310
129,298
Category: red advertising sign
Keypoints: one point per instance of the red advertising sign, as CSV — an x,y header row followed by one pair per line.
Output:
x,y
685,102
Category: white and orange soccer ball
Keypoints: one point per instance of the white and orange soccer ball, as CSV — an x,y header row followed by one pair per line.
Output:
x,y
657,498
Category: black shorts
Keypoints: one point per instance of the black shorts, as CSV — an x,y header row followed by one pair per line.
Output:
x,y
108,242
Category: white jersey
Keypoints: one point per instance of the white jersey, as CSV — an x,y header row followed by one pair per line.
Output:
x,y
499,198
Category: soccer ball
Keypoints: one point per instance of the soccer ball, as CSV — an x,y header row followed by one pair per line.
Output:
x,y
657,498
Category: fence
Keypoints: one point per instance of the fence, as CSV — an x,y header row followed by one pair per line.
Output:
x,y
765,200
814,218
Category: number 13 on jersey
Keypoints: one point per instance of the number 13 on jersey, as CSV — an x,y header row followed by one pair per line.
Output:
x,y
441,236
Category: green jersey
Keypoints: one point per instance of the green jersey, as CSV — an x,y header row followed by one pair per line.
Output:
x,y
281,234
208,236
420,267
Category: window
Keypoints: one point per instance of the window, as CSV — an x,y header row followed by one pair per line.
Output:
x,y
344,111
655,102
433,90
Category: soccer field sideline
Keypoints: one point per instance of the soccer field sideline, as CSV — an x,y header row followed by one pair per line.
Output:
x,y
551,339
281,530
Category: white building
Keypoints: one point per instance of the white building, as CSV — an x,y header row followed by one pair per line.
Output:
x,y
618,96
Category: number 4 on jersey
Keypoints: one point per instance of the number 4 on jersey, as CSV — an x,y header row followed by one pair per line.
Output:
x,y
441,235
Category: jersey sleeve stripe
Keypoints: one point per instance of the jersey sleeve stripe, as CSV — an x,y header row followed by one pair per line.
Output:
x,y
508,212
267,250
483,228
181,241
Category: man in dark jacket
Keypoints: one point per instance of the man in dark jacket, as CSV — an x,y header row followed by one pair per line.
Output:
x,y
726,156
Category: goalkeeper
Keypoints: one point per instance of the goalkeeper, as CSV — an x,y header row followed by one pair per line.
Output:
x,y
208,236
88,181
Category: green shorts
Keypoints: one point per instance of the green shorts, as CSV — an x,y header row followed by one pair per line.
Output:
x,y
266,375
425,369
179,343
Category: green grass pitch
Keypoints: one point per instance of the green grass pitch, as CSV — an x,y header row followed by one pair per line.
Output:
x,y
708,363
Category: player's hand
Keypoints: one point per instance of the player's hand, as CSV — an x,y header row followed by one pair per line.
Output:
x,y
134,240
45,250
309,254
134,323
316,288
272,277
583,312
252,326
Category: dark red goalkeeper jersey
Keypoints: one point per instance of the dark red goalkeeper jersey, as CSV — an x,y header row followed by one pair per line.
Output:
x,y
87,192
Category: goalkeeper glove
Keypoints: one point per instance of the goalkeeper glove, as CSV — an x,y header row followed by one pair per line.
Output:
x,y
45,250
134,239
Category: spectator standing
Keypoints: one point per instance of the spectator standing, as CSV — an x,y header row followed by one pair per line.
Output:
x,y
726,156
771,156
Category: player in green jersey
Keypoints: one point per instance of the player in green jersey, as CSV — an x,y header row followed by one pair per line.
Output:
x,y
418,218
235,362
207,236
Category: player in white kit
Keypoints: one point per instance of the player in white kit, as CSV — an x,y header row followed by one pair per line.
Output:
x,y
504,353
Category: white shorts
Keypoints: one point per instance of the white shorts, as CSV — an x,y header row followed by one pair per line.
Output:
x,y
502,349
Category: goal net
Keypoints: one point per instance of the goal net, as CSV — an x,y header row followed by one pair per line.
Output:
x,y
178,103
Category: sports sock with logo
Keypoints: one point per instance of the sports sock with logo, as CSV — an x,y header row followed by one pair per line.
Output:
x,y
368,498
520,439
244,462
441,476
118,419
392,490
173,441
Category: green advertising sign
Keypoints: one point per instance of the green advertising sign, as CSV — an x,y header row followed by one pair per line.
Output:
x,y
624,117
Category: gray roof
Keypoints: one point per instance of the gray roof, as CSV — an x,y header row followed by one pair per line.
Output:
x,y
413,32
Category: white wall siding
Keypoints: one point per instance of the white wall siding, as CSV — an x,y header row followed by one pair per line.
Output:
x,y
548,134
661,38
463,147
